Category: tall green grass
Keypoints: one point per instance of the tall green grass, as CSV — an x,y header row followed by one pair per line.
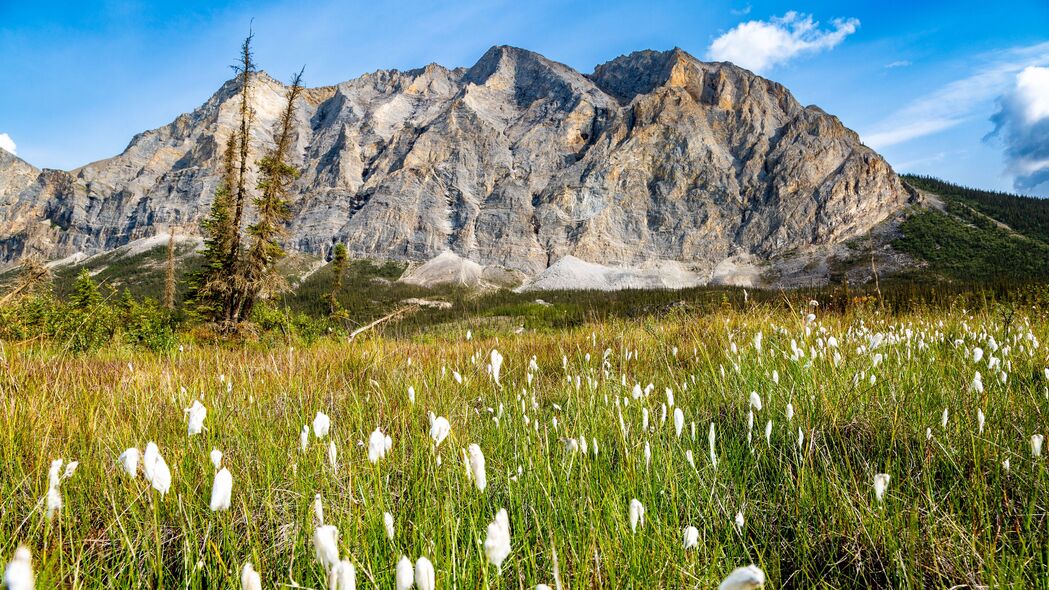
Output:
x,y
953,515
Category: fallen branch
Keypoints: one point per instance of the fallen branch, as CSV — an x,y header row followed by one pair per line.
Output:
x,y
384,318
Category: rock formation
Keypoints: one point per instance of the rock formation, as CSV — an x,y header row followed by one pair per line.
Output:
x,y
514,163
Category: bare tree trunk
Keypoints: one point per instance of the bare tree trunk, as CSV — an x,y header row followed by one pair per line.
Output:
x,y
169,282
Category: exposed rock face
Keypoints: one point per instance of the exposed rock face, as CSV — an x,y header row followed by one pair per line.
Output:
x,y
515,162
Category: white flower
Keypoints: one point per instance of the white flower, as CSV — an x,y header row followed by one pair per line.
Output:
x,y
318,509
977,384
1036,445
216,458
744,578
648,455
691,460
711,437
790,412
343,576
943,419
755,401
54,493
768,433
691,537
497,543
480,479
405,577
679,421
376,446
221,490
980,418
70,469
439,429
801,439
326,545
497,365
637,515
739,522
304,438
411,394
424,575
881,482
387,521
333,455
161,476
321,425
458,378
149,460
249,578
129,461
18,575
197,412
977,354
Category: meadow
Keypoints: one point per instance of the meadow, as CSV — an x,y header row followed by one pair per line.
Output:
x,y
844,449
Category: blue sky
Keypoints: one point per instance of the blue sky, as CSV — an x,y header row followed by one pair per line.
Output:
x,y
953,89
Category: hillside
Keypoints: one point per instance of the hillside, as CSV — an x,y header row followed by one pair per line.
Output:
x,y
976,236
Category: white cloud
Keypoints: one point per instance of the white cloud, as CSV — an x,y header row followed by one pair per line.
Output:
x,y
760,45
1022,125
6,143
957,101
898,64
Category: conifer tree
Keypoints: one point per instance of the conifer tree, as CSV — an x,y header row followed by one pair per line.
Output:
x,y
339,259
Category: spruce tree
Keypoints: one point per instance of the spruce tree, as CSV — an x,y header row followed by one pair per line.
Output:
x,y
339,259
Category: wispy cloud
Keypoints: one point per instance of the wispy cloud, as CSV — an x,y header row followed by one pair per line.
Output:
x,y
1022,125
957,101
6,143
760,45
898,64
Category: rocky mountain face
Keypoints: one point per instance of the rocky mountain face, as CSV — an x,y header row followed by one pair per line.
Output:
x,y
516,163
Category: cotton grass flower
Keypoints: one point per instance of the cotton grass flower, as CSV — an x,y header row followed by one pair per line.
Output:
x,y
333,455
378,445
424,575
404,579
197,412
943,419
439,429
755,401
129,461
636,514
712,438
691,537
343,576
1036,445
387,521
497,365
321,425
790,412
738,522
18,574
54,493
326,546
476,463
980,418
222,491
249,578
497,543
744,578
304,438
881,483
768,433
161,480
216,458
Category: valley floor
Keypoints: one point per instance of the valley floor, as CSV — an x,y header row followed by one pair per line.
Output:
x,y
764,430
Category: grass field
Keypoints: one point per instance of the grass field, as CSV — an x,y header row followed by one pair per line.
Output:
x,y
566,451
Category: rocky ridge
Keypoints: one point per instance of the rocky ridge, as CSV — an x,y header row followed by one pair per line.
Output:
x,y
654,161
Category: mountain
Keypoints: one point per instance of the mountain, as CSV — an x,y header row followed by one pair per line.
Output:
x,y
655,161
